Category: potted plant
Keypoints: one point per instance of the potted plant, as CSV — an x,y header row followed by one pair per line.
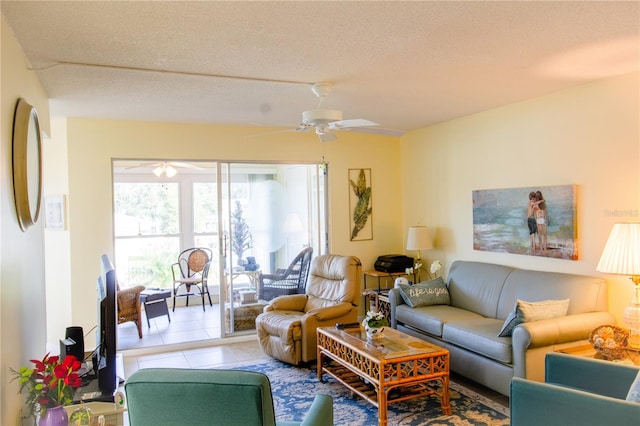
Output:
x,y
374,324
49,386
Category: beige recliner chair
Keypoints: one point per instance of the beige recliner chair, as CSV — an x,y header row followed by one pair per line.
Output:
x,y
287,327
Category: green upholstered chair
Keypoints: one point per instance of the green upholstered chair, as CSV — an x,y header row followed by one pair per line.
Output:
x,y
577,391
175,396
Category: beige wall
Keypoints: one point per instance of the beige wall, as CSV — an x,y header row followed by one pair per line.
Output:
x,y
93,143
588,135
22,279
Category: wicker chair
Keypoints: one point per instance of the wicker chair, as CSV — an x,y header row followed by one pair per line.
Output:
x,y
129,306
192,270
292,280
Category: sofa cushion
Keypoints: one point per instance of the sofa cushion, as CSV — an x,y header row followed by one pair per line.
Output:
x,y
533,311
479,335
477,286
426,293
509,324
431,319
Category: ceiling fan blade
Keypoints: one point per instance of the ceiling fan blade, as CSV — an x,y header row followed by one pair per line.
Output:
x,y
254,135
304,127
143,165
377,131
184,165
355,122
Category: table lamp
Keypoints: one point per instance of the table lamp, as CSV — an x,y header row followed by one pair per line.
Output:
x,y
419,239
621,256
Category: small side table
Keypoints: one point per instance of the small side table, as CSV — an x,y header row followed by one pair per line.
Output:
x,y
379,275
155,303
586,350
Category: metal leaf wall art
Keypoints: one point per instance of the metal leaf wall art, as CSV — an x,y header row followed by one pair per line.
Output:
x,y
360,204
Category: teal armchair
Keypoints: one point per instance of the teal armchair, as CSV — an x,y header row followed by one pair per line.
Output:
x,y
577,391
174,396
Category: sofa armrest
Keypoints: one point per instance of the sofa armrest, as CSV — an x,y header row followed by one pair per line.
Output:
x,y
395,299
554,331
320,413
533,403
291,302
597,376
329,312
544,335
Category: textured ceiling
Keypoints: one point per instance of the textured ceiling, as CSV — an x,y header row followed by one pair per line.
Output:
x,y
404,65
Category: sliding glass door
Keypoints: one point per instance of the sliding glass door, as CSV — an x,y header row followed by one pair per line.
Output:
x,y
255,217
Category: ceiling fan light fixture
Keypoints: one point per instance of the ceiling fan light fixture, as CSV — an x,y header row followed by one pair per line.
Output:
x,y
170,171
322,129
165,168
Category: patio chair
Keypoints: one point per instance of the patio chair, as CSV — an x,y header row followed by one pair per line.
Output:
x,y
286,281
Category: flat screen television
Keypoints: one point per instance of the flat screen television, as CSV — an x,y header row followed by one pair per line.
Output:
x,y
107,328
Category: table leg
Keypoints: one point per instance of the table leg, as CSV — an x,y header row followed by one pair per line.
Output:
x,y
319,356
446,406
382,406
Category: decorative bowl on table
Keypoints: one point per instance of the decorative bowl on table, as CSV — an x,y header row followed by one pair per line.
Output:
x,y
610,341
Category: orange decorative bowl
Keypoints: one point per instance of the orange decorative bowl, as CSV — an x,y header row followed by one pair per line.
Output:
x,y
610,341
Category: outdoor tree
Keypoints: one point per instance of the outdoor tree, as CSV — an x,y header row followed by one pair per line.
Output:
x,y
241,239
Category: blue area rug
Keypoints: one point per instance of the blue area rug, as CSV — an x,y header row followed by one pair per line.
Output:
x,y
295,387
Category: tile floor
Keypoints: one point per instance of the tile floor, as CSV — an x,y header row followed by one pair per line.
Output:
x,y
191,339
188,324
217,356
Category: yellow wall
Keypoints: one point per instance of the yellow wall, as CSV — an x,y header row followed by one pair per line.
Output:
x,y
22,280
588,135
93,143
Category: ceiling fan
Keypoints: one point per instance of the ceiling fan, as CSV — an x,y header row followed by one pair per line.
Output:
x,y
168,168
325,121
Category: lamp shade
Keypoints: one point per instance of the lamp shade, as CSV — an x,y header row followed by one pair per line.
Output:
x,y
621,254
419,238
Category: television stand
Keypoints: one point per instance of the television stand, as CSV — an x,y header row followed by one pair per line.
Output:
x,y
91,392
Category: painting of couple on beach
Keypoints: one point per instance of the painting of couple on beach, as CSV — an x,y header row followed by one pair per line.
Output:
x,y
536,221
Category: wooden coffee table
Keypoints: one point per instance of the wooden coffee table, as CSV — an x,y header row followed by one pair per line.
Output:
x,y
395,368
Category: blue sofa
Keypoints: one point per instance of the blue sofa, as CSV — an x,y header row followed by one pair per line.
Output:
x,y
577,391
482,295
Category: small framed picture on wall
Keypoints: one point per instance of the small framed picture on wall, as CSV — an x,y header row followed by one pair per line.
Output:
x,y
55,212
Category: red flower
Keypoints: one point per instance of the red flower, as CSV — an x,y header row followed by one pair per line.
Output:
x,y
50,383
60,371
73,380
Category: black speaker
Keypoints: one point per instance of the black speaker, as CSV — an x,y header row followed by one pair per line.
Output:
x,y
73,344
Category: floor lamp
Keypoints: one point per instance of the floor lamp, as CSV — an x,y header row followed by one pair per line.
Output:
x,y
419,239
621,256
